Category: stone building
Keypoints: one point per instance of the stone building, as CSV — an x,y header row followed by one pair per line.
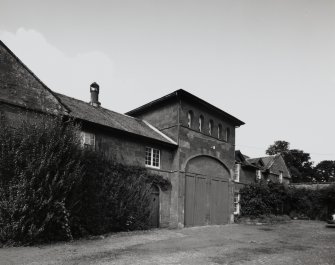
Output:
x,y
179,136
251,170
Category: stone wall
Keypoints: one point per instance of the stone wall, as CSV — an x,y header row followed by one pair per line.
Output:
x,y
165,118
171,118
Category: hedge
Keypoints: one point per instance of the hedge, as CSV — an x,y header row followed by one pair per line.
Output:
x,y
278,199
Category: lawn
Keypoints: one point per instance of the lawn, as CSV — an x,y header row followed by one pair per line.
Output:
x,y
297,242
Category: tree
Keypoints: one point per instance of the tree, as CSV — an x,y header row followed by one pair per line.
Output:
x,y
300,165
279,147
325,171
298,162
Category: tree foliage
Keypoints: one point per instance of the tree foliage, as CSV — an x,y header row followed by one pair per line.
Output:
x,y
325,171
279,147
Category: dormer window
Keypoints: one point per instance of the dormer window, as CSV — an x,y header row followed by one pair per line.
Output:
x,y
210,127
201,123
219,131
189,119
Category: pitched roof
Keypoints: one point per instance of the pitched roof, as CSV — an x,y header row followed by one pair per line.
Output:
x,y
242,159
29,100
184,95
280,165
274,163
266,161
98,115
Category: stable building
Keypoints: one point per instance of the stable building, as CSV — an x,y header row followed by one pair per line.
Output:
x,y
179,136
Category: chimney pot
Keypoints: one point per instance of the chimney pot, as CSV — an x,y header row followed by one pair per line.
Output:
x,y
94,89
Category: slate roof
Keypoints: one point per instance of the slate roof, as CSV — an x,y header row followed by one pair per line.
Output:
x,y
266,160
274,163
243,160
98,115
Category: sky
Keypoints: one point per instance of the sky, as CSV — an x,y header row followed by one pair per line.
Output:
x,y
270,63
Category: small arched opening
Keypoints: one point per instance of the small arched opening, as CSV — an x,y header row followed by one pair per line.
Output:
x,y
154,217
219,131
201,123
189,119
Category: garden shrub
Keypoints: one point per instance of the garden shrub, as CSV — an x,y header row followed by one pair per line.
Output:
x,y
113,197
262,198
51,189
254,200
277,199
264,218
306,203
328,199
39,165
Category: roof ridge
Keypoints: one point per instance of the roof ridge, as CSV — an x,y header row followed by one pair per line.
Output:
x,y
85,111
262,157
35,76
100,107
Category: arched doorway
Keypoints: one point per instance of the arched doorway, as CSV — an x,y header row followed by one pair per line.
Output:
x,y
154,218
206,192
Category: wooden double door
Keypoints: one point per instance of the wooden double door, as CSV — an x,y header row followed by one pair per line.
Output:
x,y
206,200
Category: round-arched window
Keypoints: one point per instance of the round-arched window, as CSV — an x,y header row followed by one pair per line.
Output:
x,y
210,127
201,123
219,131
227,134
189,119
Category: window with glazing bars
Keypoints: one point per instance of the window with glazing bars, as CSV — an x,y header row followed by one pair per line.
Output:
x,y
87,140
236,203
152,157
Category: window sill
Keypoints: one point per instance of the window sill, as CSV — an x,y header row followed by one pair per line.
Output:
x,y
152,167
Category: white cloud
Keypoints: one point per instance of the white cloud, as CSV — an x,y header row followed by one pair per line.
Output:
x,y
70,75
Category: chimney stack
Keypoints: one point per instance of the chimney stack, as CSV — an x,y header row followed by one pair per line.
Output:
x,y
94,89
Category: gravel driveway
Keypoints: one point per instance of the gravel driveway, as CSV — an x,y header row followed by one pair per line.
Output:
x,y
298,242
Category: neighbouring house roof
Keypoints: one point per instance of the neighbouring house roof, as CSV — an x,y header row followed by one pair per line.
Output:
x,y
182,94
98,115
267,161
274,163
242,159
